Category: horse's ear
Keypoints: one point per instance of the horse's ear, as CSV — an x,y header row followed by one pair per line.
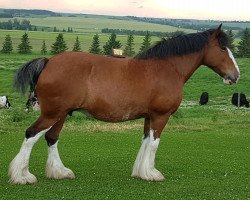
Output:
x,y
217,31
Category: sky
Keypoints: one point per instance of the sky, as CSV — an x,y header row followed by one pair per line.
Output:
x,y
191,9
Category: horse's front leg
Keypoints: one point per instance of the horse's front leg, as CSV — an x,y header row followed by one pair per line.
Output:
x,y
144,166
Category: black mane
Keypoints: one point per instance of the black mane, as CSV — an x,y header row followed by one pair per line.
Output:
x,y
181,45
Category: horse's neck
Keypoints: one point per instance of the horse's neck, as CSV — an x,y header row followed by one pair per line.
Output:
x,y
187,64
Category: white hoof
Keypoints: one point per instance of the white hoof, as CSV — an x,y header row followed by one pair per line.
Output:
x,y
59,173
19,172
20,176
149,175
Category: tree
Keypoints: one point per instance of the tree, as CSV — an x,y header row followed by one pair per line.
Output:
x,y
24,47
111,44
129,49
77,46
244,44
95,46
7,45
230,36
44,48
59,45
146,42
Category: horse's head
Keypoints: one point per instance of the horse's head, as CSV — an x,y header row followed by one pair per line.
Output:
x,y
220,58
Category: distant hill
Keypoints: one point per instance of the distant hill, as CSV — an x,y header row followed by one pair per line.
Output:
x,y
195,24
187,25
10,13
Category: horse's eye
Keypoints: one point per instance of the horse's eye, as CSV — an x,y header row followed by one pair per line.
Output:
x,y
223,48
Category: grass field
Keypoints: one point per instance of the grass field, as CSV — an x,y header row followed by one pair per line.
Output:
x,y
94,24
203,153
84,27
37,37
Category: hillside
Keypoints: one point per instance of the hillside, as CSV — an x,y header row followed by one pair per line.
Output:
x,y
10,13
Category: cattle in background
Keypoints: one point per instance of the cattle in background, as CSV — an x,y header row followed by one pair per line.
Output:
x,y
204,98
32,103
4,102
239,100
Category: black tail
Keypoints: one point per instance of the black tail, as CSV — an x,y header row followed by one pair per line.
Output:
x,y
27,76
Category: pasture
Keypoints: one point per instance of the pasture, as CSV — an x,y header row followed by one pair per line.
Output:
x,y
203,153
95,23
36,39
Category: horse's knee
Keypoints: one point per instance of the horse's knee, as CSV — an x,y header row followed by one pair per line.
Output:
x,y
53,134
50,139
30,133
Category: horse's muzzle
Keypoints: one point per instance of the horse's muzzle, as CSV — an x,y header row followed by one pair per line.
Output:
x,y
229,80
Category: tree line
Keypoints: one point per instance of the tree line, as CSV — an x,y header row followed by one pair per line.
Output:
x,y
15,24
143,33
241,50
60,45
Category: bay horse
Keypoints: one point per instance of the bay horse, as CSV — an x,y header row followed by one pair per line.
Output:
x,y
147,86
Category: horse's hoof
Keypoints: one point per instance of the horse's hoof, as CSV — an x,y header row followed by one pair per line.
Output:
x,y
61,173
149,175
22,180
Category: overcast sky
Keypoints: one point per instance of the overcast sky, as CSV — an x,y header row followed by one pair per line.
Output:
x,y
198,9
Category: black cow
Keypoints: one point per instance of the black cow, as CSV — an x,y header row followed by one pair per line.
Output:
x,y
204,98
239,99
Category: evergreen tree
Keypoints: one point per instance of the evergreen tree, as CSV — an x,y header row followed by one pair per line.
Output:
x,y
146,42
55,30
59,45
77,46
44,48
129,49
7,45
35,28
95,46
244,44
24,47
111,44
230,36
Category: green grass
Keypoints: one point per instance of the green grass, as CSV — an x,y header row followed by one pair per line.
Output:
x,y
36,38
94,24
203,153
85,27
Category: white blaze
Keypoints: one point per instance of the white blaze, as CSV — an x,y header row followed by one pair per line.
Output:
x,y
234,61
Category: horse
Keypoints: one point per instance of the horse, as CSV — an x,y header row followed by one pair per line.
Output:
x,y
149,86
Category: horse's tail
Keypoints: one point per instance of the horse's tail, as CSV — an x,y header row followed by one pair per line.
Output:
x,y
27,76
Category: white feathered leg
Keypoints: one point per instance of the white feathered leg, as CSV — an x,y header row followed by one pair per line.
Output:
x,y
55,168
19,167
145,160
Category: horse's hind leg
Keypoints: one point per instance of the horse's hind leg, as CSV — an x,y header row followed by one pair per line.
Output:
x,y
54,167
19,167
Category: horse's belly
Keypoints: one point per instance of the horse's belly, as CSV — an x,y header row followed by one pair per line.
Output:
x,y
115,115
